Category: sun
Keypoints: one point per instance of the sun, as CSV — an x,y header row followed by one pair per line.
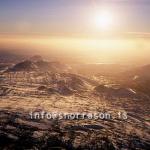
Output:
x,y
103,20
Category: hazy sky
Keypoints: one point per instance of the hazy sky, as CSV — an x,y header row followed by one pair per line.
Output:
x,y
69,27
70,16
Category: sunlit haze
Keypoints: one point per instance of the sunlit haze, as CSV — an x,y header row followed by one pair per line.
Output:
x,y
91,31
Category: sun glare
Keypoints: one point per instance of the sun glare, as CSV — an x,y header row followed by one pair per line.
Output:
x,y
103,20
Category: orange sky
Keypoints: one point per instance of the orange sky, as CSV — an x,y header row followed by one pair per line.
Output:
x,y
109,31
106,49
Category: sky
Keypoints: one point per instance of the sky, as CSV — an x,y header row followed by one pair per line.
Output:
x,y
68,25
59,17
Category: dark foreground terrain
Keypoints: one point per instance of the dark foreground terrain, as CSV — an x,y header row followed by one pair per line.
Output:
x,y
30,87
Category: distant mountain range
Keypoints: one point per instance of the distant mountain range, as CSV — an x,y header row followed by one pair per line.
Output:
x,y
138,78
143,71
8,57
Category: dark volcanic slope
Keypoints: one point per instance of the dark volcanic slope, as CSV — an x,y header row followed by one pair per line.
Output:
x,y
143,71
40,65
24,66
138,78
